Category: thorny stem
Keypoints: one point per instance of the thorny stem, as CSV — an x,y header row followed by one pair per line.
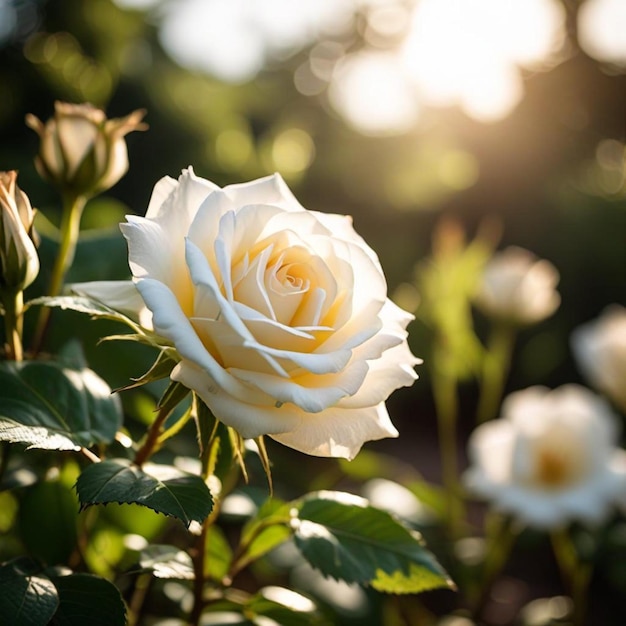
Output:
x,y
70,227
497,363
152,437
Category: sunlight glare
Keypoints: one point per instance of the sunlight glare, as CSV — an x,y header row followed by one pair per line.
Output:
x,y
602,30
467,53
370,90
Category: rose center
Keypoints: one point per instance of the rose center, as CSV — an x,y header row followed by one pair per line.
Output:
x,y
554,468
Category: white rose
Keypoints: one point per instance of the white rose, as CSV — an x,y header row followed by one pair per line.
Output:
x,y
518,288
600,350
551,458
280,315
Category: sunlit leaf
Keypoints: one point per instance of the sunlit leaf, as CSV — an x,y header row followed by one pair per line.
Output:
x,y
26,597
86,599
347,539
265,531
166,562
81,304
50,406
161,488
285,607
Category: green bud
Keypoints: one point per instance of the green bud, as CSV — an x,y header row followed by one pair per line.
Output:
x,y
81,151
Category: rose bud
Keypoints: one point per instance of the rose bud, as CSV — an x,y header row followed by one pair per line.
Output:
x,y
81,151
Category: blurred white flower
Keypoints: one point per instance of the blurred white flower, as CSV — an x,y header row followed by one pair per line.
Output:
x,y
518,288
550,459
600,350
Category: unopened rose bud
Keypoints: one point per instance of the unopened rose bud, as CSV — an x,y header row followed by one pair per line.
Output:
x,y
19,263
82,152
518,288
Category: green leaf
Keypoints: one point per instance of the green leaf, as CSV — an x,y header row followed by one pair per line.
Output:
x,y
50,406
344,537
218,554
81,304
166,562
264,532
162,488
86,599
284,606
26,597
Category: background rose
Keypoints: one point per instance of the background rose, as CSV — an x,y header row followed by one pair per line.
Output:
x,y
518,288
551,458
280,315
600,350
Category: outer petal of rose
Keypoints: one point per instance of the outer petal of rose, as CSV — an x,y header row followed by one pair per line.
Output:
x,y
178,201
171,322
249,420
339,432
268,190
312,393
120,295
341,228
392,370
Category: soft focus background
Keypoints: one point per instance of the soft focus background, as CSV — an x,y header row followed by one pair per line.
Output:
x,y
399,113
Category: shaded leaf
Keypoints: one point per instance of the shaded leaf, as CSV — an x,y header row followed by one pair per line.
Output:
x,y
54,541
26,597
50,406
86,599
166,562
344,537
161,488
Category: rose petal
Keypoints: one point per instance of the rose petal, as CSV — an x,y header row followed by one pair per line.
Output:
x,y
394,369
315,363
171,322
311,393
250,420
268,190
120,295
339,432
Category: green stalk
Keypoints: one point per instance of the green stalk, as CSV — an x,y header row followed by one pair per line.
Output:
x,y
70,227
446,406
500,538
496,366
576,574
13,322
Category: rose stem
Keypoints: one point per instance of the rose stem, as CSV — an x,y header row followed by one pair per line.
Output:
x,y
575,573
73,206
13,325
152,437
446,405
496,365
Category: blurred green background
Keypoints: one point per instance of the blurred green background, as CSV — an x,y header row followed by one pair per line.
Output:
x,y
398,113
